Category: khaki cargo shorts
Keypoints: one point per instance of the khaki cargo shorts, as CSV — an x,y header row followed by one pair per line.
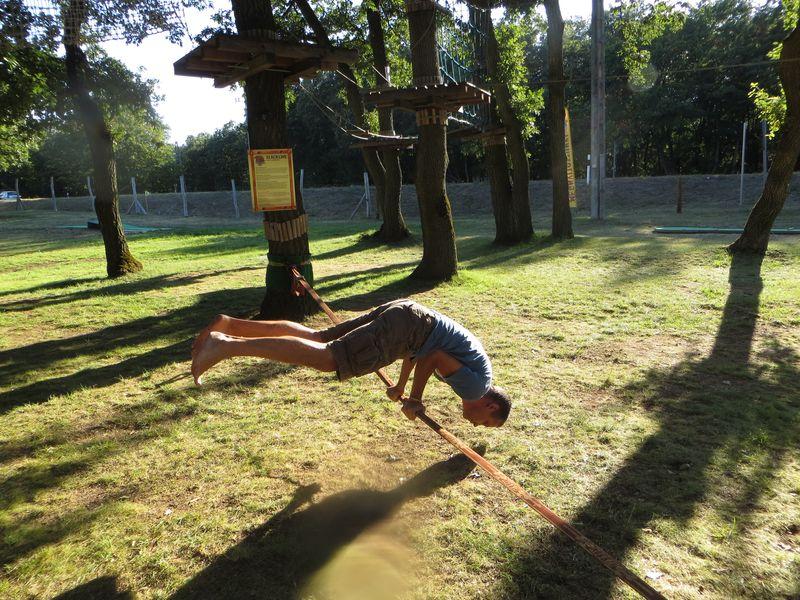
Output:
x,y
365,344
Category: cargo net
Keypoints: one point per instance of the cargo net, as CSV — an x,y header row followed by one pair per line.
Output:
x,y
78,21
461,39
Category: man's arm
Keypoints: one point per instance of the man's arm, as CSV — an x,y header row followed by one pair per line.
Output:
x,y
396,392
436,360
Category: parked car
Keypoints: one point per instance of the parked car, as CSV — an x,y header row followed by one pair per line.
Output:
x,y
9,195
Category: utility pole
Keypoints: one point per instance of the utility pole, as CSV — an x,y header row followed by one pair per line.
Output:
x,y
598,125
764,159
744,158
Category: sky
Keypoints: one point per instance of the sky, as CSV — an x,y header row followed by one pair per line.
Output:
x,y
192,105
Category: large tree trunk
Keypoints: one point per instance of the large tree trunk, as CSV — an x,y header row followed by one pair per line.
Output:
x,y
500,189
119,260
755,237
355,102
521,174
394,226
562,217
439,258
265,102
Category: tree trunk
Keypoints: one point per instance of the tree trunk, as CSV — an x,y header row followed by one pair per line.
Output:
x,y
119,260
439,257
515,142
500,189
755,237
394,226
562,217
355,102
265,102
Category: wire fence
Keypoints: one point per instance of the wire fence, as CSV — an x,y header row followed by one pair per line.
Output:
x,y
699,196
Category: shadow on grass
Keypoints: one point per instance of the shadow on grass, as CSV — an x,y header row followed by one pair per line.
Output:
x,y
719,404
55,285
365,242
76,453
37,241
123,288
102,588
479,252
276,559
228,241
333,283
634,259
475,253
393,290
28,369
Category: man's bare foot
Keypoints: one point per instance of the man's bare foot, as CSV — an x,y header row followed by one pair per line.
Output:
x,y
209,353
219,323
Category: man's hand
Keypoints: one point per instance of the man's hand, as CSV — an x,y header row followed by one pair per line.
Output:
x,y
411,408
395,392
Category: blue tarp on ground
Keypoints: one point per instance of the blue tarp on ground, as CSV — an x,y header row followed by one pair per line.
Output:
x,y
737,230
128,228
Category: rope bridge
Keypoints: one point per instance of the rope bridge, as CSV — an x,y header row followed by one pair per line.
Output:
x,y
461,40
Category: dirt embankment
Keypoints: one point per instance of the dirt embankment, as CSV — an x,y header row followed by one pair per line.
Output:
x,y
467,198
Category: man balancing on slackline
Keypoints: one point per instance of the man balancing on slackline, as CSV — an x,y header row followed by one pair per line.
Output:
x,y
428,343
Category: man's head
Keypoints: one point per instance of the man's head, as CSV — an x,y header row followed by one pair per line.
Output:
x,y
490,411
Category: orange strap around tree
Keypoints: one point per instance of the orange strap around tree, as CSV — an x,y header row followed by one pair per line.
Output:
x,y
600,555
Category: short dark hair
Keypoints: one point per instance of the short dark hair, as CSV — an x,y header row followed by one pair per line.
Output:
x,y
499,395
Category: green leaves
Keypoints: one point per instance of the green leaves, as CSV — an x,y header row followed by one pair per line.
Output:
x,y
770,108
641,24
791,13
512,37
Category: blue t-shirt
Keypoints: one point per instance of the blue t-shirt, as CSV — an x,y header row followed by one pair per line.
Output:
x,y
474,378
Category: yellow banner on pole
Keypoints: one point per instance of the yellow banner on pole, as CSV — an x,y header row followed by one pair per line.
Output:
x,y
272,179
573,192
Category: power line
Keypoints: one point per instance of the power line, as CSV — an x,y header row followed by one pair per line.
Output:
x,y
673,71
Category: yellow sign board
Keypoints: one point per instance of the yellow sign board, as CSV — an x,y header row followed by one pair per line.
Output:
x,y
272,179
573,192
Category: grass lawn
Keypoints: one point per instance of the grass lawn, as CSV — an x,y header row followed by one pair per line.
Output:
x,y
657,407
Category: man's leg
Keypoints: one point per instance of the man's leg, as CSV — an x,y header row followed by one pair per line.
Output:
x,y
255,329
291,350
336,332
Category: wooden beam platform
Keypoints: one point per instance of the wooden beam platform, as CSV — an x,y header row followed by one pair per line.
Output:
x,y
387,143
449,96
229,59
474,133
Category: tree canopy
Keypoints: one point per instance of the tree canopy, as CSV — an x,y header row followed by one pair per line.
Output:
x,y
681,80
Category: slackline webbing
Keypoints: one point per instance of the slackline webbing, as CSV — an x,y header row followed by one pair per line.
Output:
x,y
736,230
600,555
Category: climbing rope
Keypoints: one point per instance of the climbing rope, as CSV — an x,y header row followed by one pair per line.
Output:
x,y
344,124
300,285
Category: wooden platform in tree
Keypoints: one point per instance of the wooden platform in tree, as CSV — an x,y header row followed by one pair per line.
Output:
x,y
450,96
402,143
473,133
232,58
